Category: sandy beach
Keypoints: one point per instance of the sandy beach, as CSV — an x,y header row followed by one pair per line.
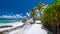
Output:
x,y
28,28
16,25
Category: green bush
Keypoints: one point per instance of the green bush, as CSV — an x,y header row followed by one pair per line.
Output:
x,y
51,16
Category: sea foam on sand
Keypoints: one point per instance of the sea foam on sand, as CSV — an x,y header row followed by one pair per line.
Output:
x,y
17,24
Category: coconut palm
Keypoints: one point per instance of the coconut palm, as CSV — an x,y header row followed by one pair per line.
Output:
x,y
36,11
40,8
32,14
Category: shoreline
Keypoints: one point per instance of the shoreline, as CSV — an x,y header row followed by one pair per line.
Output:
x,y
15,26
10,23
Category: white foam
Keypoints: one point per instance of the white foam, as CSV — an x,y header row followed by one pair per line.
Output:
x,y
17,24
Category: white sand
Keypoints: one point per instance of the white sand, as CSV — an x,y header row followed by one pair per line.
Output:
x,y
36,29
38,21
30,29
27,26
18,31
21,30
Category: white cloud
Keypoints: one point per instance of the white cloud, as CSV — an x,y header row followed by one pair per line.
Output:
x,y
24,16
13,16
19,16
6,16
28,14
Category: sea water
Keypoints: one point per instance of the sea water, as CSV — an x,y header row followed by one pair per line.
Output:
x,y
3,22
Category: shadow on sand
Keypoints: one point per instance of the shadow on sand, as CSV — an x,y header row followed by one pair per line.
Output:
x,y
48,32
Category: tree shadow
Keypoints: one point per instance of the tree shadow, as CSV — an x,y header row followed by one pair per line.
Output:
x,y
58,32
48,32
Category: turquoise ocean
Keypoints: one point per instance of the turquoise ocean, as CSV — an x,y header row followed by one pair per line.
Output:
x,y
5,21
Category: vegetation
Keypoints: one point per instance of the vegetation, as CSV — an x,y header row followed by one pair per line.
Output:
x,y
40,6
34,13
51,17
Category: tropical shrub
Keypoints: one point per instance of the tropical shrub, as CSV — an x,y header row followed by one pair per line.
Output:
x,y
51,17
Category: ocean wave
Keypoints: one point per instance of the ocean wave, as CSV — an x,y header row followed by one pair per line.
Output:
x,y
10,23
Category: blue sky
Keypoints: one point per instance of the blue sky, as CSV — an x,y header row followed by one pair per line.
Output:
x,y
21,7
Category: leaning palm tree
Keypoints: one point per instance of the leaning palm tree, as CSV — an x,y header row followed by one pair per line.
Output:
x,y
41,8
36,11
32,14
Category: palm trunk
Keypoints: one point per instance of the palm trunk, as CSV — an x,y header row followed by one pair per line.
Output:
x,y
34,20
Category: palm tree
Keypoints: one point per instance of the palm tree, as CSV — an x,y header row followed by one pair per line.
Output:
x,y
41,8
37,10
32,14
